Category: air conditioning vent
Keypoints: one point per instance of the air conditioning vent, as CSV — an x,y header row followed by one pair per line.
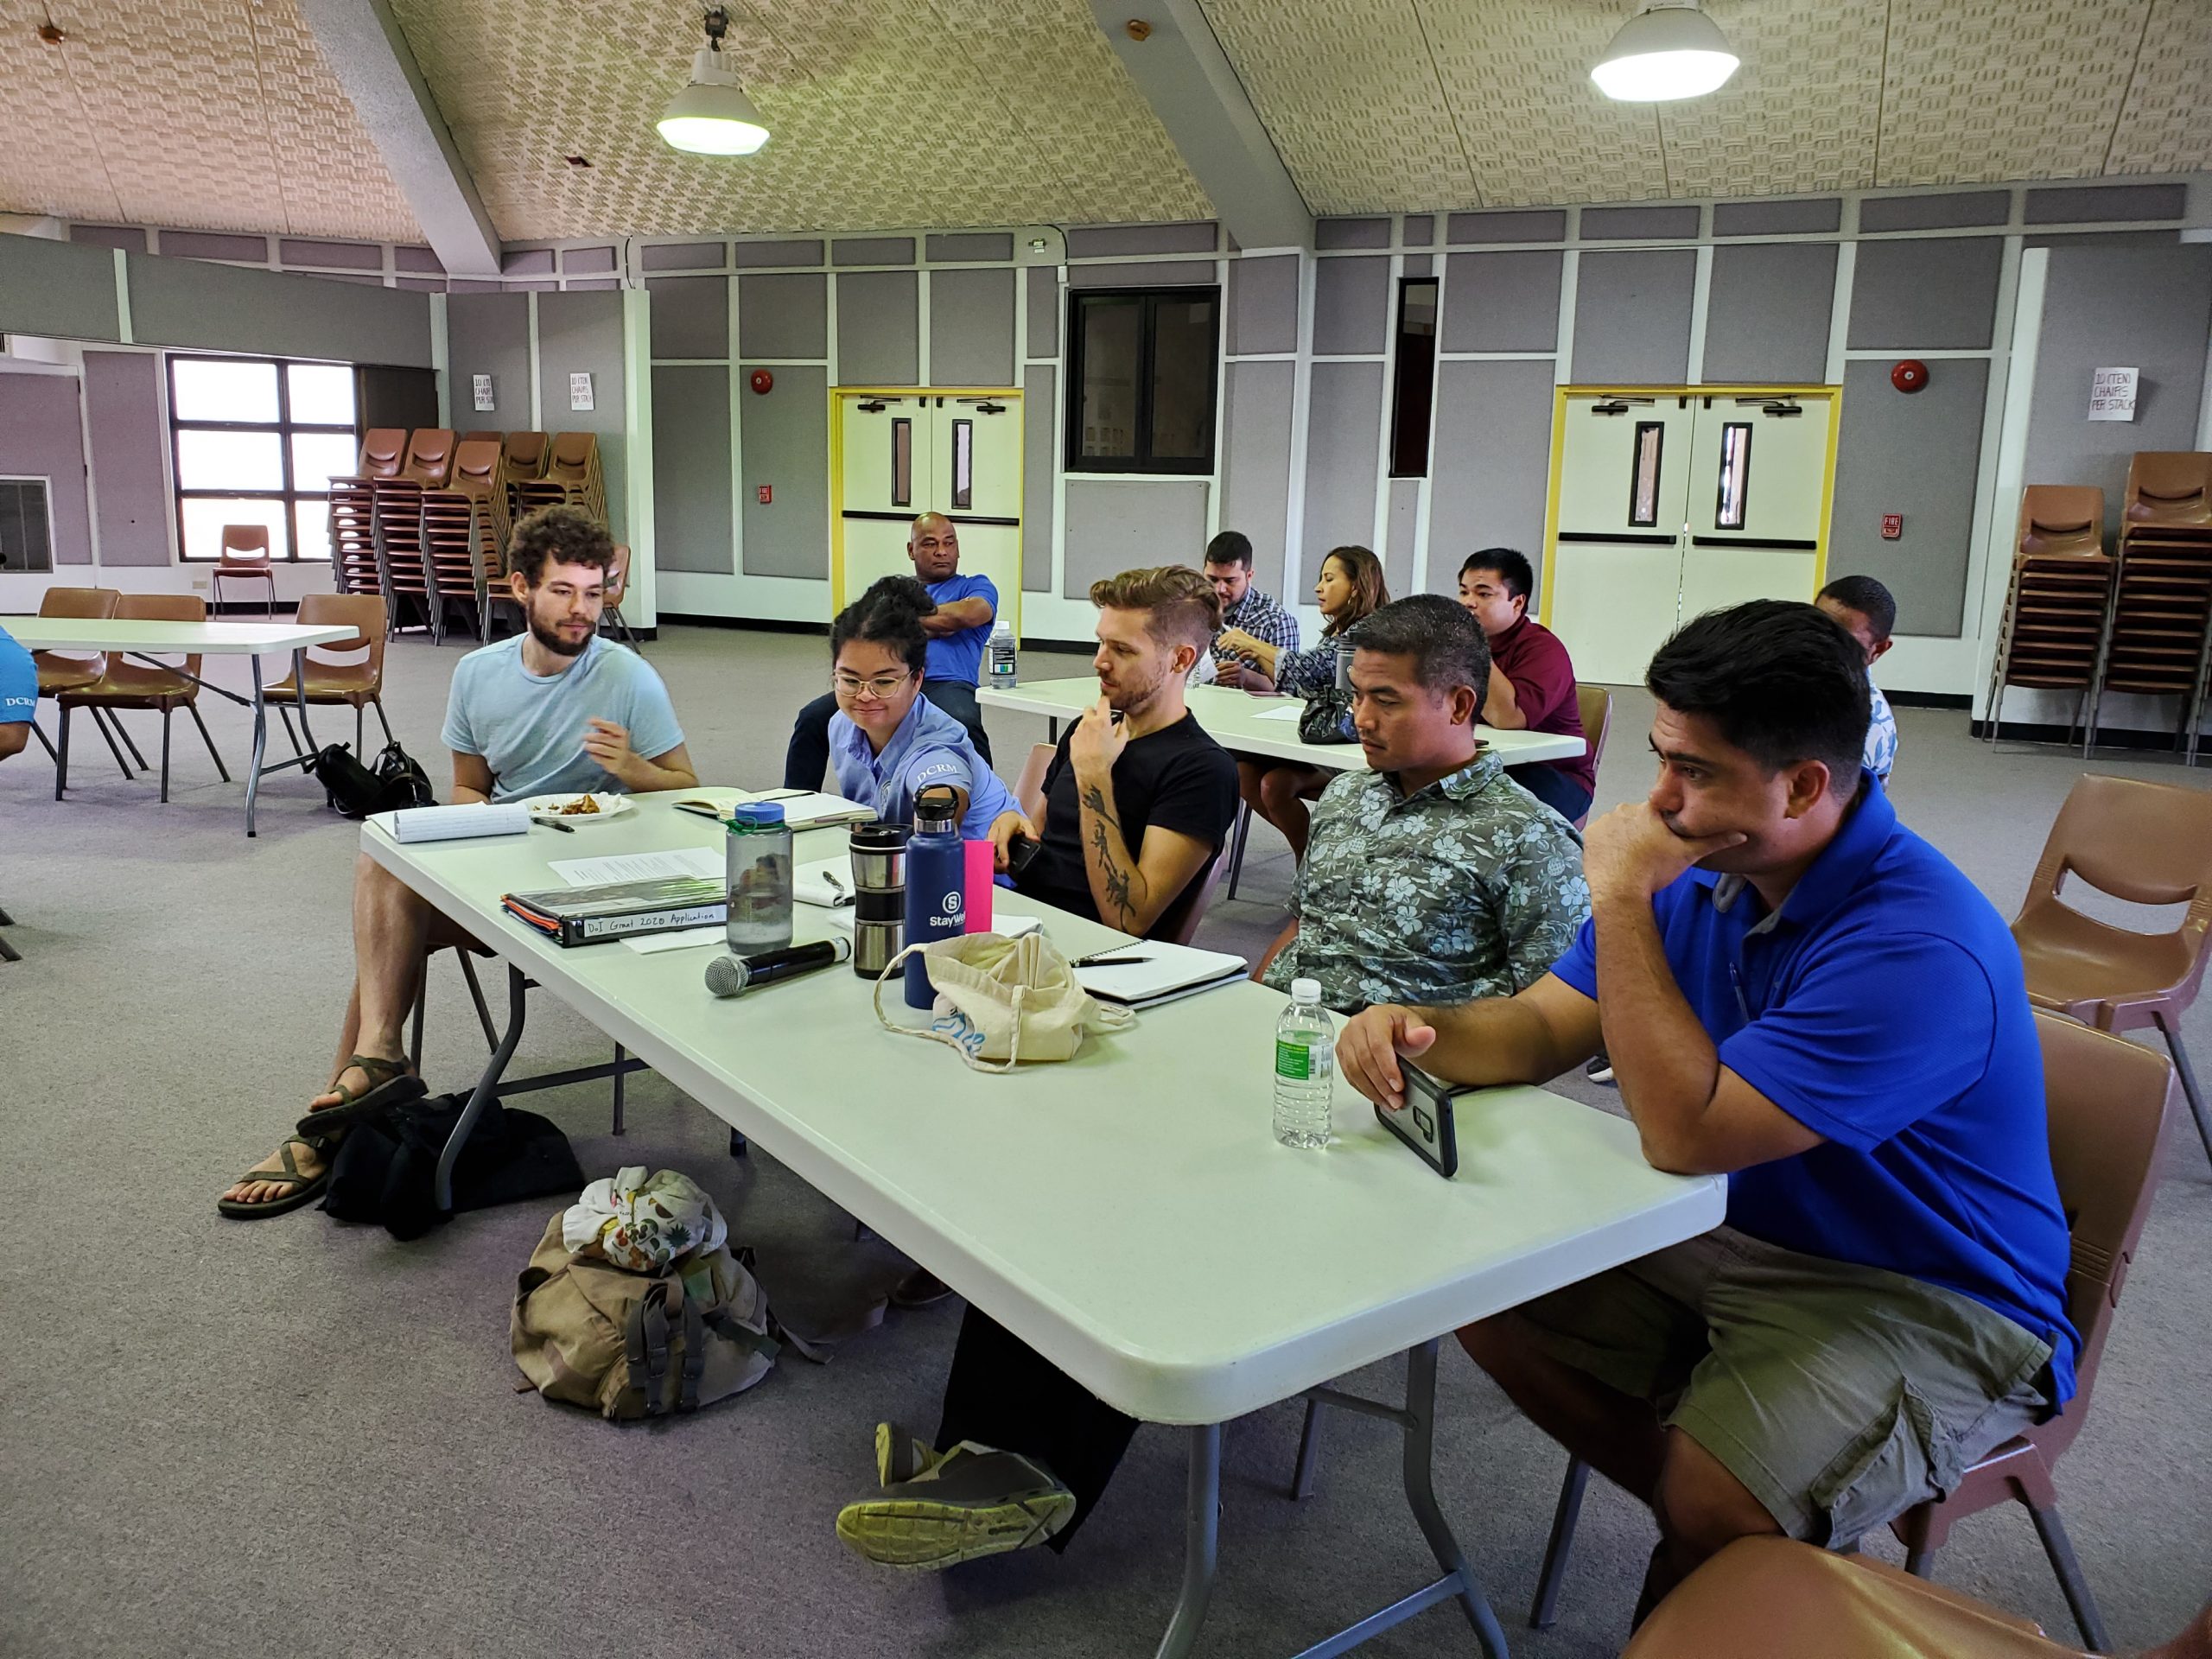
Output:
x,y
26,526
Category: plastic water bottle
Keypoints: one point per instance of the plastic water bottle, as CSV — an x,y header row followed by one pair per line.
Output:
x,y
758,864
1000,656
937,884
1306,1068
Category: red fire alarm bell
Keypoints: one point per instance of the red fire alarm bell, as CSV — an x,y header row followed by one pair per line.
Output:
x,y
1892,526
1910,375
762,381
767,494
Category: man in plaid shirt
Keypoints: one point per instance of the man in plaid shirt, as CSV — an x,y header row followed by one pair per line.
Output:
x,y
1229,566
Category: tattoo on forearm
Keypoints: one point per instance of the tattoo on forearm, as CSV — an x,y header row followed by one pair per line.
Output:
x,y
1113,877
1095,798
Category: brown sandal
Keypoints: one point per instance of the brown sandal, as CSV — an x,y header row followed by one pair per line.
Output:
x,y
390,1083
302,1189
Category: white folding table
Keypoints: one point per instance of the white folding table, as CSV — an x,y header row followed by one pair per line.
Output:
x,y
1127,1213
143,639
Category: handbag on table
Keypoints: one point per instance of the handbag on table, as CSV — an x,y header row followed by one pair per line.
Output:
x,y
1001,1002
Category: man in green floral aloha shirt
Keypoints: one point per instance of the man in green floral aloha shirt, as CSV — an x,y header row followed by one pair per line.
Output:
x,y
1434,878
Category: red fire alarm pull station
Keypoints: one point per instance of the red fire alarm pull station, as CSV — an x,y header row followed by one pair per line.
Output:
x,y
1892,526
767,494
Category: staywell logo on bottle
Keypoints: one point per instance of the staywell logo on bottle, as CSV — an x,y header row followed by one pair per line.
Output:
x,y
948,918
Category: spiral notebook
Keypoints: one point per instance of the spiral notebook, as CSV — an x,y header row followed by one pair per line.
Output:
x,y
1164,973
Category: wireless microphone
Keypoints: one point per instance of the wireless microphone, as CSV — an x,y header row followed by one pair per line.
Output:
x,y
734,976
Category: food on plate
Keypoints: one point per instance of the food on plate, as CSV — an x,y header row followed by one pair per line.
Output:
x,y
577,808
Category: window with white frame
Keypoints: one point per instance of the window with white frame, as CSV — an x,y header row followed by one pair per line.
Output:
x,y
257,441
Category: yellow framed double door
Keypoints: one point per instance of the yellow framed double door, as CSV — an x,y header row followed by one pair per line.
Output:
x,y
898,452
1669,501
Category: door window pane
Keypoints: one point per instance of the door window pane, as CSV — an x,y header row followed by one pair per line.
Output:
x,y
318,457
209,388
1415,377
311,528
963,464
1643,484
1735,475
321,394
1112,334
229,460
205,517
902,463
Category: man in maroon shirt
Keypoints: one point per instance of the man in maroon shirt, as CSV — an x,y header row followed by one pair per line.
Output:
x,y
1531,680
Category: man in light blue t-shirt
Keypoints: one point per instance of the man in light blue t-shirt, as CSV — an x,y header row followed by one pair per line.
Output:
x,y
958,630
18,694
554,710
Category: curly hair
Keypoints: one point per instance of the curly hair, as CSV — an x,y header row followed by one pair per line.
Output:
x,y
889,614
1180,605
558,535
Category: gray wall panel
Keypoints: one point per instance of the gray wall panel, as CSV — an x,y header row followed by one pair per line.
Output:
x,y
1404,515
122,414
131,237
61,291
1110,241
690,315
1420,264
344,255
878,330
2093,203
784,439
695,256
489,333
1492,464
1116,527
1343,432
1777,218
691,459
1543,224
1639,223
1164,273
1632,317
2148,307
1042,295
1915,454
40,437
528,262
582,333
1501,302
1932,294
204,244
421,260
587,262
872,251
971,327
226,308
1351,305
974,245
1767,315
1940,213
1351,233
776,254
1256,462
782,316
1419,230
1263,304
1040,454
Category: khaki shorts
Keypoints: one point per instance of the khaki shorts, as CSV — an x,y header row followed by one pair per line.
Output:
x,y
1839,1395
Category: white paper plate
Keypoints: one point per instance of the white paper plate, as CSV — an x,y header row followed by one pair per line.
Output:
x,y
610,806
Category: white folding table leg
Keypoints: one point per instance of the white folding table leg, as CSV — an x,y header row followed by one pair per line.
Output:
x,y
1202,1524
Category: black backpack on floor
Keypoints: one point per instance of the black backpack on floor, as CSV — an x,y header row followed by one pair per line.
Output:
x,y
391,781
386,1169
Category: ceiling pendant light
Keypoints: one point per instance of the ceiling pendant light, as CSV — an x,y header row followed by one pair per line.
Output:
x,y
713,116
1669,50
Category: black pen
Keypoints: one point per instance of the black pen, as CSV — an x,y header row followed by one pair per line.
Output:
x,y
556,823
1111,961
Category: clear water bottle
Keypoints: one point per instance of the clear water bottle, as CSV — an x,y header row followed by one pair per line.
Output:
x,y
999,656
759,865
1306,1068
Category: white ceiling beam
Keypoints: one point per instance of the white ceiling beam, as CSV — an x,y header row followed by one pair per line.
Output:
x,y
362,42
1186,78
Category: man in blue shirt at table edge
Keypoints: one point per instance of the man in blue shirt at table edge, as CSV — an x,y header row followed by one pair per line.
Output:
x,y
1800,994
18,696
556,710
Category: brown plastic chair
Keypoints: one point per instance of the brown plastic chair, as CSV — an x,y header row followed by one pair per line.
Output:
x,y
383,449
492,438
65,671
1594,704
2108,1102
243,556
354,566
400,556
336,674
2058,609
130,684
430,457
2168,488
1029,788
618,585
2148,844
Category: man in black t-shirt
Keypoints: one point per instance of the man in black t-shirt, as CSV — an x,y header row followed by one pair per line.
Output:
x,y
1139,799
1135,811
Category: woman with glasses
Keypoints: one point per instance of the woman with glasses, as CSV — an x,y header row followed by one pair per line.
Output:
x,y
887,740
1349,590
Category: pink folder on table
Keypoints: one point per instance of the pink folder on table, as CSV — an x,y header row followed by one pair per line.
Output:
x,y
976,881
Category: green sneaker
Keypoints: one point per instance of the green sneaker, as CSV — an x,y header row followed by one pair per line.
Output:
x,y
967,1502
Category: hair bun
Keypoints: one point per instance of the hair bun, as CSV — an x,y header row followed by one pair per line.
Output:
x,y
903,591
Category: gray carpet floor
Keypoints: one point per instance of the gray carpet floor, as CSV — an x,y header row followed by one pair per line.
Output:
x,y
295,1438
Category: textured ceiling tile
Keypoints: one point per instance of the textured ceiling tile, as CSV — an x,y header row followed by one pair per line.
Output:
x,y
44,166
2004,89
1348,91
1798,116
2166,124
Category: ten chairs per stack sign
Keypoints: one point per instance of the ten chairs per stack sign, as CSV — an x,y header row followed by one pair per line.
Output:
x,y
2051,637
245,557
2107,1104
349,673
2162,614
130,684
2147,844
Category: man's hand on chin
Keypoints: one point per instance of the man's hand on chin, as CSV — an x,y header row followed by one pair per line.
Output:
x,y
1632,852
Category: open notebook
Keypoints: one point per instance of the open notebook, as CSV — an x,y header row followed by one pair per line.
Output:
x,y
1165,973
802,809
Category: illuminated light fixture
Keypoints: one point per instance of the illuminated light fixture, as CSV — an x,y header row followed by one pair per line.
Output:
x,y
1669,50
713,116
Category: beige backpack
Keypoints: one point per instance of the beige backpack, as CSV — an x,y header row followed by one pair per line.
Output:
x,y
643,1344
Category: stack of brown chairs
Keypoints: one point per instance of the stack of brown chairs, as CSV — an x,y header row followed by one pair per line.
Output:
x,y
492,438
383,450
522,461
476,468
573,464
2162,615
2052,635
430,457
456,538
400,554
354,564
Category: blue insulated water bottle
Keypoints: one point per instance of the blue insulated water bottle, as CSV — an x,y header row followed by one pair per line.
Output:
x,y
936,884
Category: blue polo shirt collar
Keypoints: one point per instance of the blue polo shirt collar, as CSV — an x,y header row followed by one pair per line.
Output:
x,y
886,764
1836,875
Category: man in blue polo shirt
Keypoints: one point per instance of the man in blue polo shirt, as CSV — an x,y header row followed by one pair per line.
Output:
x,y
959,630
18,696
1799,993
